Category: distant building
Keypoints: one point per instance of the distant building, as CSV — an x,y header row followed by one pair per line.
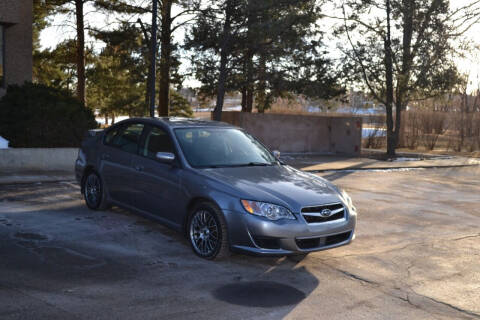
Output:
x,y
15,42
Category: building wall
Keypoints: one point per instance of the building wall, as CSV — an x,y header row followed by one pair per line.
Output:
x,y
301,133
16,16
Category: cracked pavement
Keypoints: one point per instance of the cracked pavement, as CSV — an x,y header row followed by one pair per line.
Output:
x,y
416,256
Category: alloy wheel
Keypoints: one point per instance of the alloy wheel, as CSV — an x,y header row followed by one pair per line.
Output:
x,y
204,233
93,190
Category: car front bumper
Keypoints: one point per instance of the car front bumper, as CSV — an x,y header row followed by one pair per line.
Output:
x,y
257,235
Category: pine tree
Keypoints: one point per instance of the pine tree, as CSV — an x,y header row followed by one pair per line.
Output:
x,y
274,49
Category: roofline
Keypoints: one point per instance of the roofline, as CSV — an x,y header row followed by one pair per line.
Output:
x,y
164,121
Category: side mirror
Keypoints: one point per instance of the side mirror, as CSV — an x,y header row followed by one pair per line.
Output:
x,y
276,154
165,157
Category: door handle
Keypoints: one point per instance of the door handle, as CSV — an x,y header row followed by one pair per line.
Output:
x,y
105,156
139,168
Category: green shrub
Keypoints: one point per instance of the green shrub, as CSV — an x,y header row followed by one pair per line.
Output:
x,y
34,115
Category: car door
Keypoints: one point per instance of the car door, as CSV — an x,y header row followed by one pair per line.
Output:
x,y
120,145
160,192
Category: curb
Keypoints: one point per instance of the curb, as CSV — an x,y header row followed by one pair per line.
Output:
x,y
26,180
394,168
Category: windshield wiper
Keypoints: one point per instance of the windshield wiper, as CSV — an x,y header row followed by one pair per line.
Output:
x,y
250,164
258,164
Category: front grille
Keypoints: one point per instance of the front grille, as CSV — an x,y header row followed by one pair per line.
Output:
x,y
313,214
337,238
308,243
312,243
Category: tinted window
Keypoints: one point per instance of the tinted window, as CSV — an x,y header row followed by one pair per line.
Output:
x,y
125,138
157,140
111,134
219,147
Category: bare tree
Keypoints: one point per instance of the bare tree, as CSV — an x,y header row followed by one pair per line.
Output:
x,y
403,53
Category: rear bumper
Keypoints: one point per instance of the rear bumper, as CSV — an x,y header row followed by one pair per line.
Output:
x,y
256,235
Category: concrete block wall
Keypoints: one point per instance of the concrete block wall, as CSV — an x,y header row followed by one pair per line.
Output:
x,y
302,133
41,159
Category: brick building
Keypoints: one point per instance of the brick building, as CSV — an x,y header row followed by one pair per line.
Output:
x,y
15,42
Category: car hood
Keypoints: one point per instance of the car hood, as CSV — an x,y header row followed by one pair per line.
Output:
x,y
277,184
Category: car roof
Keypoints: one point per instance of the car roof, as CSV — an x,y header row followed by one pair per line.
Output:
x,y
176,122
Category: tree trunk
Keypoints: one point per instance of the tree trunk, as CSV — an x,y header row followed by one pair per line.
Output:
x,y
80,51
225,51
149,75
262,86
404,78
244,87
391,141
252,20
165,58
250,82
249,102
244,99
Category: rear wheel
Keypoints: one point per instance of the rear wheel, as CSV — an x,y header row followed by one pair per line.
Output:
x,y
93,192
207,232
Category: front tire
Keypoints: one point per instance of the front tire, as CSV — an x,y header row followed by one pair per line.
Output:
x,y
207,232
93,192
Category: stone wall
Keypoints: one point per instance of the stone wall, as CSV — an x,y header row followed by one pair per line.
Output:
x,y
302,133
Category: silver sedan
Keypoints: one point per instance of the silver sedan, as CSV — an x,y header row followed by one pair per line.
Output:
x,y
215,183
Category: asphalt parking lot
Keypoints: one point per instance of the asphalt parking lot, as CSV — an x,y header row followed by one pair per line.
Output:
x,y
416,256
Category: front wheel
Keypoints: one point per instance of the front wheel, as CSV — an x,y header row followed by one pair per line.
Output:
x,y
93,192
207,232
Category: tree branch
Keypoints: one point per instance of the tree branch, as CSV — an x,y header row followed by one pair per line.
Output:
x,y
364,71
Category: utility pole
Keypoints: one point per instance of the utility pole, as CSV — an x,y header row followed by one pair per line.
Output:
x,y
153,55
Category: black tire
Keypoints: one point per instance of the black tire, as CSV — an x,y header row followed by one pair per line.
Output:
x,y
93,192
211,242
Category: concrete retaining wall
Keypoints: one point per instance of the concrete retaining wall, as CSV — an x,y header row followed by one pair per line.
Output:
x,y
44,159
286,133
302,133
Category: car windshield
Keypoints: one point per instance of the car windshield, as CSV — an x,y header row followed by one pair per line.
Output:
x,y
222,147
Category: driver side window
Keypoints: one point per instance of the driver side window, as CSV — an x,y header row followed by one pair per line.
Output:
x,y
157,140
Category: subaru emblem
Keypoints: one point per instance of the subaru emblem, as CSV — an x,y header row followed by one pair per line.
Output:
x,y
326,213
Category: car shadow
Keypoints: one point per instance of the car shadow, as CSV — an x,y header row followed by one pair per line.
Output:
x,y
265,294
342,173
251,281
278,282
56,249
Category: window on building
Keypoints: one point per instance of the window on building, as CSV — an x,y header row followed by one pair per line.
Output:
x,y
2,56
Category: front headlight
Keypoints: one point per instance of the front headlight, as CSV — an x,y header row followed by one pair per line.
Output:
x,y
267,210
